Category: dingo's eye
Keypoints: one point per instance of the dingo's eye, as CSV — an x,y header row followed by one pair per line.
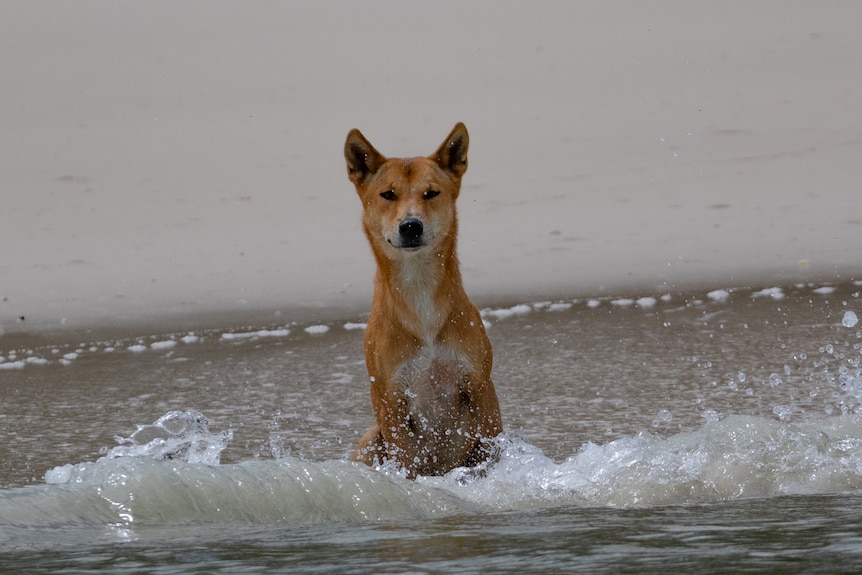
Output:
x,y
389,196
430,194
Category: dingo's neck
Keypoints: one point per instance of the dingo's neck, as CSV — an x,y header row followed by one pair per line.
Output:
x,y
422,289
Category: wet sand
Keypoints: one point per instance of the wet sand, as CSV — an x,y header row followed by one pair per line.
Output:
x,y
179,165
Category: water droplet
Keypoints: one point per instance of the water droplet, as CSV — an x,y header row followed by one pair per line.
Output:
x,y
710,415
849,319
663,417
782,411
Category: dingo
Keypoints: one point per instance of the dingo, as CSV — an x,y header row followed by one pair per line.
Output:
x,y
428,358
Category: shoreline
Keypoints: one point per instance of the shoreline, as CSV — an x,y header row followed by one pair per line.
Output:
x,y
23,334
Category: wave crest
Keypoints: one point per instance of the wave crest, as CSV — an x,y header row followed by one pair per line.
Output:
x,y
738,457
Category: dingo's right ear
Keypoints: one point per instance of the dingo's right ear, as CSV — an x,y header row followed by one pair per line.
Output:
x,y
362,159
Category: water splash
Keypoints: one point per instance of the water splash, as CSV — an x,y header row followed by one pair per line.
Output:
x,y
177,435
181,435
737,457
150,480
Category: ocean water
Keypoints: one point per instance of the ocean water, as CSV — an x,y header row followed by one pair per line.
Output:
x,y
717,431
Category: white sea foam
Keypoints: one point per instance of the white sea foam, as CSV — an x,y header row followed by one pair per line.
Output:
x,y
12,365
60,474
773,292
737,457
718,295
255,334
317,329
505,313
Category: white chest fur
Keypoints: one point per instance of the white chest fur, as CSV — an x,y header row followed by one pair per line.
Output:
x,y
419,277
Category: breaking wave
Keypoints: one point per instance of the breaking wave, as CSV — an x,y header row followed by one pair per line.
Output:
x,y
168,473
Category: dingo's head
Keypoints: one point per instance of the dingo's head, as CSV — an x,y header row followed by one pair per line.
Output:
x,y
409,203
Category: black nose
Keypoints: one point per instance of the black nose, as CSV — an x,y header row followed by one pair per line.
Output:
x,y
410,231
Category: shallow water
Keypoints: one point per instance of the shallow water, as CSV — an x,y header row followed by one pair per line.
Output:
x,y
714,431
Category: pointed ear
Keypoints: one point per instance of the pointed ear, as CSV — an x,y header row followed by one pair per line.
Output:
x,y
362,159
452,153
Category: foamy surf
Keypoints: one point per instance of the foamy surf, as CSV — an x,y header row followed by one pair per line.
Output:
x,y
735,458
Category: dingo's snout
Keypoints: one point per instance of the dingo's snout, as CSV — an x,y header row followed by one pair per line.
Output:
x,y
411,233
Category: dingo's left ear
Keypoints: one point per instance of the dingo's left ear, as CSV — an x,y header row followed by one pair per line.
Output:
x,y
452,153
362,159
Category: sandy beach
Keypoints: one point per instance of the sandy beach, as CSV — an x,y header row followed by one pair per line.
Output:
x,y
181,164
